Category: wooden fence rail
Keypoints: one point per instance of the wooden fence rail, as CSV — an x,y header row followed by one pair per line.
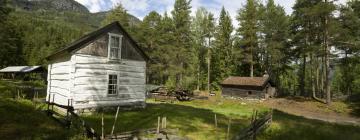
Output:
x,y
255,127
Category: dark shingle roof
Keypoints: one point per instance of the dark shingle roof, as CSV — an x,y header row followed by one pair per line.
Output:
x,y
246,81
93,35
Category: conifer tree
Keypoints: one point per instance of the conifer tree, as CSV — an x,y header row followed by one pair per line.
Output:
x,y
248,18
221,60
185,52
275,29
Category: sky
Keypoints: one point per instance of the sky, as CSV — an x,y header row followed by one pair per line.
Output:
x,y
140,8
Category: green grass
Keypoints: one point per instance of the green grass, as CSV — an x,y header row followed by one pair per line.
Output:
x,y
20,119
194,119
9,88
286,127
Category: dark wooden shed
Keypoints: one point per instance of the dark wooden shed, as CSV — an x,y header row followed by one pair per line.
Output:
x,y
248,87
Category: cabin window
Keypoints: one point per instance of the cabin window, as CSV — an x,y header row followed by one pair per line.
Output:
x,y
114,46
112,85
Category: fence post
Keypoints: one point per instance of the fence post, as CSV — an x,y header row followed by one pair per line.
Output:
x,y
102,125
53,101
117,112
254,126
228,130
158,126
215,121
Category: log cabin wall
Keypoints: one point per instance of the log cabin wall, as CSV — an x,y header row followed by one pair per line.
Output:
x,y
92,68
91,82
83,77
242,93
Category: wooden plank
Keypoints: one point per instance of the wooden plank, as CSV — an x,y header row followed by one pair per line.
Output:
x,y
92,104
60,83
87,88
115,67
61,64
60,70
89,59
60,77
95,97
90,80
63,91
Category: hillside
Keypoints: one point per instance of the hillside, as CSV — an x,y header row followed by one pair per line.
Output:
x,y
67,10
47,25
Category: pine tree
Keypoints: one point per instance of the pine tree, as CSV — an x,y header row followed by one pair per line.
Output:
x,y
221,60
149,31
248,28
11,38
347,41
185,51
119,14
275,29
202,31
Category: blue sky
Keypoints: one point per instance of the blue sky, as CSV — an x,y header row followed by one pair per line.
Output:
x,y
141,8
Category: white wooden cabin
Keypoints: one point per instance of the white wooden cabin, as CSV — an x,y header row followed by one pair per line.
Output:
x,y
103,68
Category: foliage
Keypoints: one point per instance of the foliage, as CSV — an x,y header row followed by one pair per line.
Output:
x,y
248,30
290,48
11,41
222,51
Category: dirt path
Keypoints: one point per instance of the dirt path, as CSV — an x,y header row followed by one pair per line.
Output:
x,y
314,110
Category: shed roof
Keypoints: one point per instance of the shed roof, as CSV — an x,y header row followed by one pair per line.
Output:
x,y
21,69
246,81
93,35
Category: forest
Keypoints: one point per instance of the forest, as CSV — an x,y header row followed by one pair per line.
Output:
x,y
313,52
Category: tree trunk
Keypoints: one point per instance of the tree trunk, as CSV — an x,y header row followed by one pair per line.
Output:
x,y
198,77
302,77
327,62
209,64
251,62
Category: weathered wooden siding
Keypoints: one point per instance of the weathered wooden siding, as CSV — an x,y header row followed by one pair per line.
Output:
x,y
266,92
59,82
91,81
99,47
236,92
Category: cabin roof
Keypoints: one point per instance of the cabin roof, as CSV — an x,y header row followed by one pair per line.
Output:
x,y
93,35
21,69
246,81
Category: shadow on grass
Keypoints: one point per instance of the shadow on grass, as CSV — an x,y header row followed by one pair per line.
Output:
x,y
354,103
290,127
21,120
194,122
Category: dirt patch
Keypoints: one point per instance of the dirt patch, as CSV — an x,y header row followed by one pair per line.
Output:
x,y
337,112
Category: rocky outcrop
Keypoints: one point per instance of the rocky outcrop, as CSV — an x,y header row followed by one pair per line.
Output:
x,y
58,5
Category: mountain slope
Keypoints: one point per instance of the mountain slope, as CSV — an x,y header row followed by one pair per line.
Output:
x,y
69,10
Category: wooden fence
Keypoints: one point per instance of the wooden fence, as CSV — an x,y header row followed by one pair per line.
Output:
x,y
71,118
257,124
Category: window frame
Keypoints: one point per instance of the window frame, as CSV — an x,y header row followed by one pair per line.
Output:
x,y
119,47
108,84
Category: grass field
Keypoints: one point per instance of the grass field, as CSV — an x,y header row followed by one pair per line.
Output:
x,y
195,120
20,119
